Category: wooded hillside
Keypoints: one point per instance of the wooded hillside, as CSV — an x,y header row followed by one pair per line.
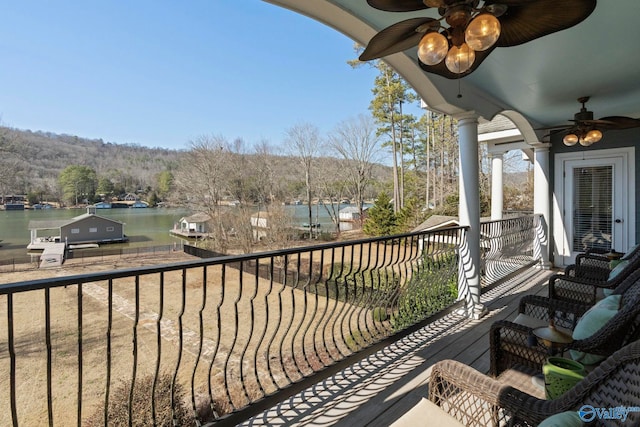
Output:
x,y
32,161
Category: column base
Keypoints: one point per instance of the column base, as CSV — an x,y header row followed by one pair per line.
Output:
x,y
545,265
474,313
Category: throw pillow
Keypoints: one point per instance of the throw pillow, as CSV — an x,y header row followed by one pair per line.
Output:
x,y
591,322
617,269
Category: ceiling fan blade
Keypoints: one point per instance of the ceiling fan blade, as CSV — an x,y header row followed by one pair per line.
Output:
x,y
528,20
558,127
397,5
558,131
620,122
442,70
394,39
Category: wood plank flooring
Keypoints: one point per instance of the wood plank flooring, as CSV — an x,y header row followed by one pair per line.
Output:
x,y
379,389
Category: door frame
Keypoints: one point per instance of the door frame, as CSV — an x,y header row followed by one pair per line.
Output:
x,y
624,186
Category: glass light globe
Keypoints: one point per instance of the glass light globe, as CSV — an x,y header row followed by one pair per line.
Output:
x,y
433,48
460,59
570,139
585,142
593,135
482,32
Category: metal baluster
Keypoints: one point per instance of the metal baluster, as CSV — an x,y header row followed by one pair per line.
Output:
x,y
227,371
300,323
180,344
264,328
109,326
200,344
12,360
159,345
243,352
135,348
47,330
217,340
278,322
79,415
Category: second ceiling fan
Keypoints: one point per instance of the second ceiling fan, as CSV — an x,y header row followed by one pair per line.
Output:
x,y
586,130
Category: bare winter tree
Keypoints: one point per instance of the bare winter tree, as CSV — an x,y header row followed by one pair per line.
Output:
x,y
303,141
264,180
357,142
202,179
9,161
333,186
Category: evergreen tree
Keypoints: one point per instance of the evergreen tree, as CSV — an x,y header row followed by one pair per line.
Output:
x,y
381,220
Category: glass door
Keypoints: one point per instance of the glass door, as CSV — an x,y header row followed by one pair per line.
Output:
x,y
594,206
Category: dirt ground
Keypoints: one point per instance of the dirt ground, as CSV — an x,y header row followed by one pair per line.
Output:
x,y
213,327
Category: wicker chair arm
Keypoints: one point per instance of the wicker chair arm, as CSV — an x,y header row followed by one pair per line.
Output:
x,y
569,288
478,400
542,308
513,344
600,260
591,267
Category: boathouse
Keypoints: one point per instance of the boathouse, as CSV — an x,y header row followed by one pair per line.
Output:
x,y
86,228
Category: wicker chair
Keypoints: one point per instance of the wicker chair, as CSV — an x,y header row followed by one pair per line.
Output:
x,y
479,400
594,264
577,288
511,343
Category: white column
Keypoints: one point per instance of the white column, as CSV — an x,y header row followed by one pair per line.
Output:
x,y
469,211
542,200
497,197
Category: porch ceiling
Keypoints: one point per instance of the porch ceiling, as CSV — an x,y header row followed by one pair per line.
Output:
x,y
541,80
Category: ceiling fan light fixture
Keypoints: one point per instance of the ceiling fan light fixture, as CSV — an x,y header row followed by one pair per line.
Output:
x,y
460,59
482,32
433,48
570,139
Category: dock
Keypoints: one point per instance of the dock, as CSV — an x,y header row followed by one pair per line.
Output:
x,y
52,255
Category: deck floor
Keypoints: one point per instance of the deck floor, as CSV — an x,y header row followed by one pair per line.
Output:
x,y
380,388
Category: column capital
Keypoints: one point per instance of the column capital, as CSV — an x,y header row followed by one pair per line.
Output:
x,y
541,146
466,116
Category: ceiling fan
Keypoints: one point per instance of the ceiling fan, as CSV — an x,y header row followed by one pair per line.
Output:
x,y
467,31
586,130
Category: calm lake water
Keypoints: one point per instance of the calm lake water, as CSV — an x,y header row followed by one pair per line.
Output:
x,y
144,227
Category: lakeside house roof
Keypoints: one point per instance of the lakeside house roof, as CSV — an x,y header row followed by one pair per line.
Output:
x,y
352,209
59,223
437,221
197,217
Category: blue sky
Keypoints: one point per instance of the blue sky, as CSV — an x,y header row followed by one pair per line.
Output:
x,y
161,73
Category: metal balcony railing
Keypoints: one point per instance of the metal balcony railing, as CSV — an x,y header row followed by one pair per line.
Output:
x,y
214,340
506,246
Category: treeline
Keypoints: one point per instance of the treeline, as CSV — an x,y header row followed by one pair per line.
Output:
x,y
36,159
69,169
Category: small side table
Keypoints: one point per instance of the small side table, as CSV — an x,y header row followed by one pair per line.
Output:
x,y
554,339
613,255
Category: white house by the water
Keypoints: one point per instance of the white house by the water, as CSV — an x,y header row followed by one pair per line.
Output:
x,y
193,226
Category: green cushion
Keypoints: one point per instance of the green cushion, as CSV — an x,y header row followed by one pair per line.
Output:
x,y
617,269
591,322
614,263
563,419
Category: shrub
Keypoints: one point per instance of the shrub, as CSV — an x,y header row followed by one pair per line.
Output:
x,y
433,287
118,414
